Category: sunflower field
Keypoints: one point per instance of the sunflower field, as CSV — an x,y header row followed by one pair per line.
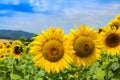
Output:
x,y
82,54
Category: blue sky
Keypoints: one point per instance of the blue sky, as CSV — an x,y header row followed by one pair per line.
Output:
x,y
36,15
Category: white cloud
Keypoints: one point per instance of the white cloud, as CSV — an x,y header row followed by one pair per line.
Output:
x,y
63,16
4,11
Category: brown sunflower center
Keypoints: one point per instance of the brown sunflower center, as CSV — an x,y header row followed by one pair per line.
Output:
x,y
53,50
2,56
17,50
84,46
112,40
8,46
1,47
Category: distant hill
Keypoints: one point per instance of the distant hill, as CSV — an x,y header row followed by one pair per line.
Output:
x,y
13,34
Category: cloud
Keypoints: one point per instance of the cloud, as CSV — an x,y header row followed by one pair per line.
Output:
x,y
36,15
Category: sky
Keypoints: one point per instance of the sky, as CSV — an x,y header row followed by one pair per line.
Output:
x,y
36,15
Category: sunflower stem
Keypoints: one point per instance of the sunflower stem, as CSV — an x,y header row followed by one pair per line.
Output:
x,y
80,71
107,59
12,68
16,61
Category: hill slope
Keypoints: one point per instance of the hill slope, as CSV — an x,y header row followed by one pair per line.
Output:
x,y
12,34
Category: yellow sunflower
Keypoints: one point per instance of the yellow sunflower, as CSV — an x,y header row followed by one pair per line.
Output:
x,y
17,42
16,49
110,39
2,46
115,22
2,56
7,48
86,45
51,50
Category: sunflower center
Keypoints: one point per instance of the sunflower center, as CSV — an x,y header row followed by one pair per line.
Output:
x,y
17,50
0,46
8,46
112,40
84,46
53,50
2,56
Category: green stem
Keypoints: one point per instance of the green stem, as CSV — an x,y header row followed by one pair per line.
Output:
x,y
12,68
107,69
80,71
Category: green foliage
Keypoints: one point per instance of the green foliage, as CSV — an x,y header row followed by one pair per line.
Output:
x,y
107,68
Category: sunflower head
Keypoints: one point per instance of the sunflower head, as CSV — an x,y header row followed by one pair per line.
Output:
x,y
85,44
2,57
51,50
2,46
17,42
7,47
111,40
16,49
114,23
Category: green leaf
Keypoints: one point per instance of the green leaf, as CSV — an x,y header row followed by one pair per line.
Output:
x,y
15,76
114,59
104,64
20,73
100,73
3,68
40,79
41,73
110,74
2,74
6,78
115,66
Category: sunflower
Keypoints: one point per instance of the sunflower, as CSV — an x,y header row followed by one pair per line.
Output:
x,y
2,46
51,50
16,49
86,45
7,48
2,56
114,23
17,42
110,39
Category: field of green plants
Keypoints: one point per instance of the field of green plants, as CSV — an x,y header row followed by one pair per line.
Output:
x,y
24,69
